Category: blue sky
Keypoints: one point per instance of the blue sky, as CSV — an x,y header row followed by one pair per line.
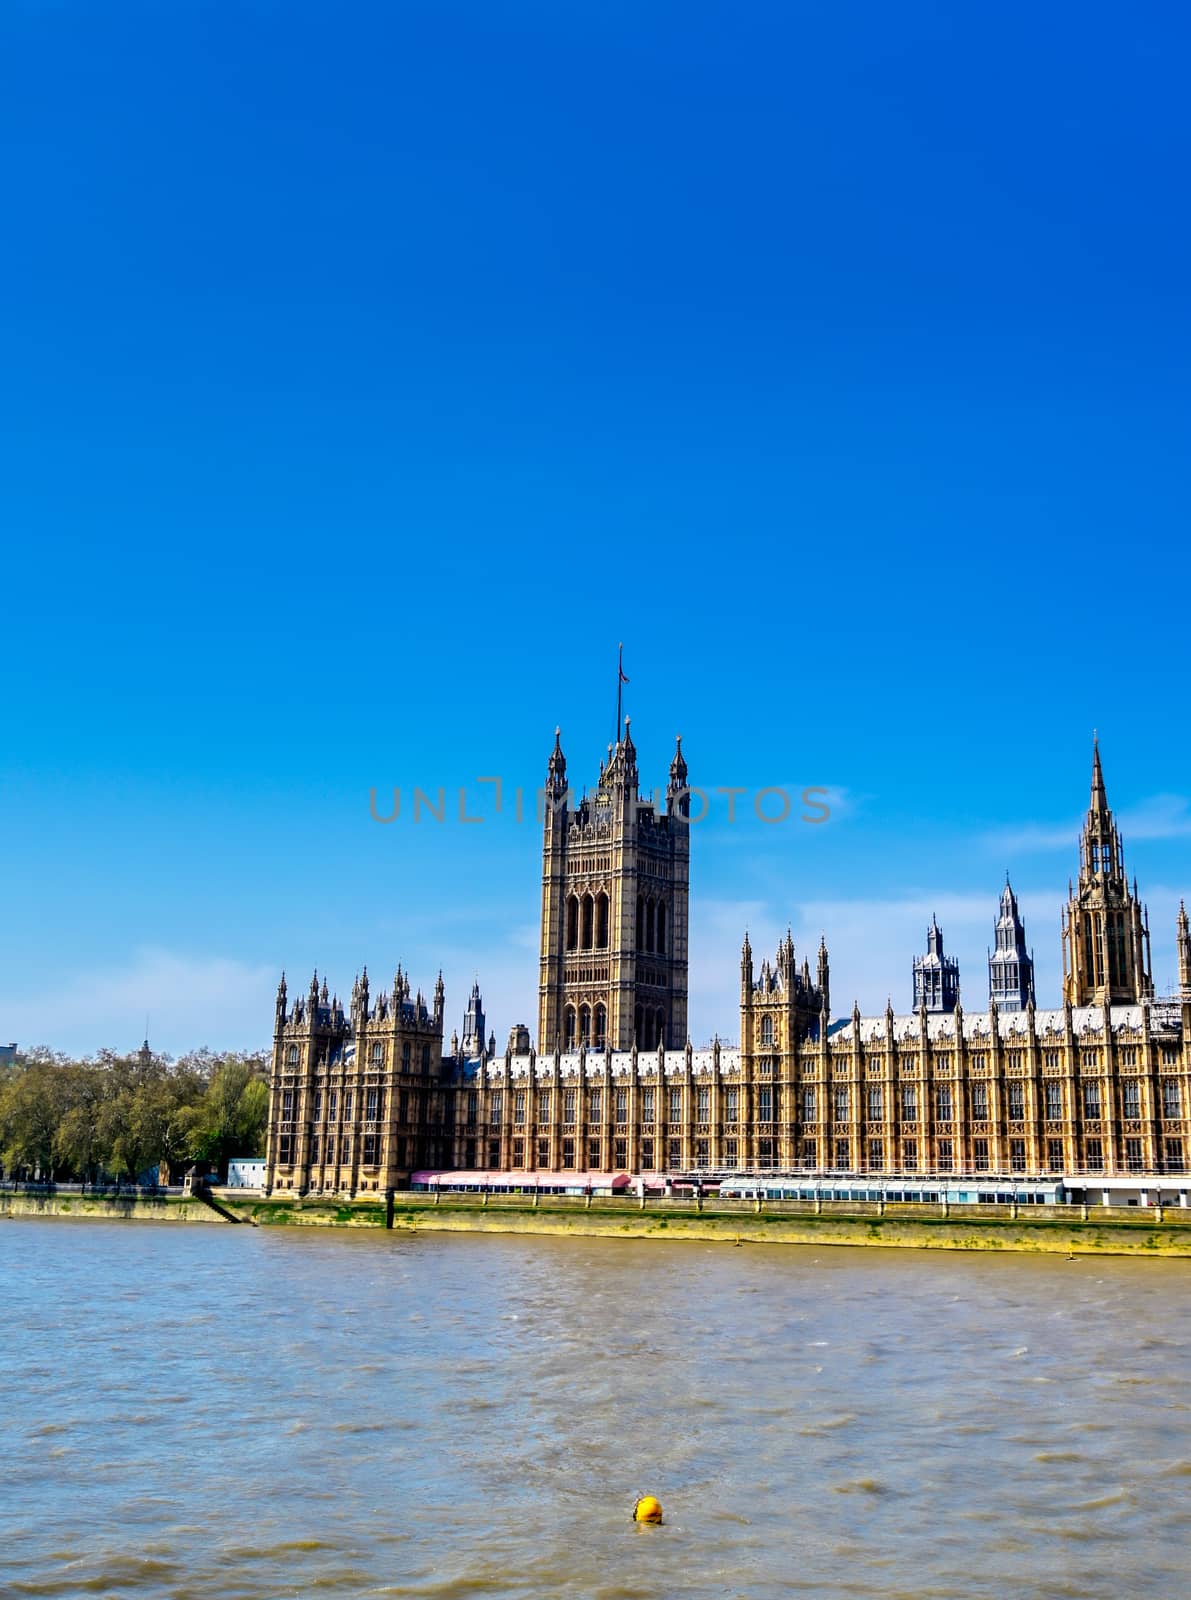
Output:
x,y
371,372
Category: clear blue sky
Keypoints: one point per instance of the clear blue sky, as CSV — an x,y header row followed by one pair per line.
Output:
x,y
371,371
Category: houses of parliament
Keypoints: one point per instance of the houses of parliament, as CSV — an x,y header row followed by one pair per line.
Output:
x,y
365,1093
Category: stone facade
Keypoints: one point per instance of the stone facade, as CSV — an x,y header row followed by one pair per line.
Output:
x,y
1077,1090
1100,1085
615,874
357,1101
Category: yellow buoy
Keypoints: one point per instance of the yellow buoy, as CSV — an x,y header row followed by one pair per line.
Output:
x,y
647,1509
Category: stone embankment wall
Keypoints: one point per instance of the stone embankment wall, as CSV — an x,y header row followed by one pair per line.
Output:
x,y
109,1208
1058,1237
1060,1231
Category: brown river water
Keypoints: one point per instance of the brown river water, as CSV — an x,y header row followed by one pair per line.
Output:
x,y
236,1414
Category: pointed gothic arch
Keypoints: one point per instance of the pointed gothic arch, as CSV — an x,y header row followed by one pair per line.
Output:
x,y
601,933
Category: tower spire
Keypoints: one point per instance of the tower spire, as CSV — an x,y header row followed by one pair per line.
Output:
x,y
1099,804
1105,956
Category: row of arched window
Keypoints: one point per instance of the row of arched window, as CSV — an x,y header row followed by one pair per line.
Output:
x,y
651,924
585,1025
650,1026
587,922
376,1056
589,1025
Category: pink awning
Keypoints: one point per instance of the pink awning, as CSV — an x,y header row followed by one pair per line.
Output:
x,y
524,1180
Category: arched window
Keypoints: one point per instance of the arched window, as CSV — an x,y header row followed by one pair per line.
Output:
x,y
291,1056
405,1055
573,923
425,1058
601,1026
568,1028
649,923
587,918
660,941
601,937
584,1024
640,922
378,1054
766,1030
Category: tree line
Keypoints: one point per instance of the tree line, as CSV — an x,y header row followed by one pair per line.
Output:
x,y
115,1116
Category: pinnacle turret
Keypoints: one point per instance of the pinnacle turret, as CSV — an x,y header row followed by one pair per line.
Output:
x,y
678,767
1010,966
936,975
556,767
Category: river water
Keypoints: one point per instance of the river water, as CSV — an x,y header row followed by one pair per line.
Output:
x,y
243,1414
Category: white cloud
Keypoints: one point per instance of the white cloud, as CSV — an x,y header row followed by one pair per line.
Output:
x,y
871,943
1028,837
228,1004
507,968
1162,816
190,1001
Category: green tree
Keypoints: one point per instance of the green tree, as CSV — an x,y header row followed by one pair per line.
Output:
x,y
231,1116
78,1141
33,1102
147,1112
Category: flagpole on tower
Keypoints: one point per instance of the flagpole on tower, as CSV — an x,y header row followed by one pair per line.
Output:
x,y
620,679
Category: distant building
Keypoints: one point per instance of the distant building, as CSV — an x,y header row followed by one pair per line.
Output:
x,y
1010,966
8,1055
246,1172
936,976
473,1023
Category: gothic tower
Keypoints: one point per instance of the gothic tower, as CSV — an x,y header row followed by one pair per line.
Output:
x,y
615,874
936,976
1010,966
473,1024
1106,936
